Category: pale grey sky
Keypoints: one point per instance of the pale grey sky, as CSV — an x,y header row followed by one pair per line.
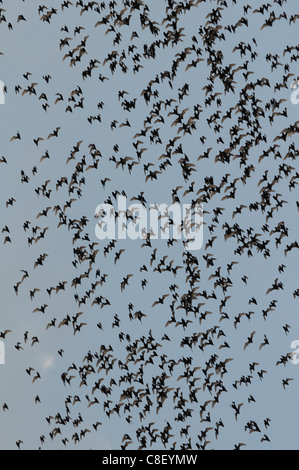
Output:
x,y
33,46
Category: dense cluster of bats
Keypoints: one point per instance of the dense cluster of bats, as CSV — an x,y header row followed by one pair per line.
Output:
x,y
167,361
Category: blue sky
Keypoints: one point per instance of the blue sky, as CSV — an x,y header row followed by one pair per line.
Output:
x,y
33,46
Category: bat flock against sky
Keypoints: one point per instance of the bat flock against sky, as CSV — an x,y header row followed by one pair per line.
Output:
x,y
141,343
